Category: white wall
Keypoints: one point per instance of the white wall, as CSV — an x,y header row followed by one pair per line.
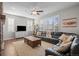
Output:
x,y
21,21
9,31
6,33
64,14
70,13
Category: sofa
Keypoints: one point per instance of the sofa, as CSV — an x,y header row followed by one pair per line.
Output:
x,y
54,39
72,51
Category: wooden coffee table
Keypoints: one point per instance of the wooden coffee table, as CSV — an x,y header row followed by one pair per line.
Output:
x,y
32,41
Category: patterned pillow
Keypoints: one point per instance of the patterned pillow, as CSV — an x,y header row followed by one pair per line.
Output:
x,y
66,40
63,37
38,33
48,34
70,38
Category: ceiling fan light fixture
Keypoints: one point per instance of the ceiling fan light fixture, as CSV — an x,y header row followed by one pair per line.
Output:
x,y
34,13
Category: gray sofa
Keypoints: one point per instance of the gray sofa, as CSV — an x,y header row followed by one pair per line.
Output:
x,y
55,36
72,51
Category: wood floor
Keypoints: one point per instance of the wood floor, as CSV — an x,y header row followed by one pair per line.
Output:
x,y
7,44
19,48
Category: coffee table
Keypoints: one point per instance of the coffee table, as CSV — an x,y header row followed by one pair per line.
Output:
x,y
32,41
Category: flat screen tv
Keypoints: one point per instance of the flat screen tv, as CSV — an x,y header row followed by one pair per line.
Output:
x,y
21,28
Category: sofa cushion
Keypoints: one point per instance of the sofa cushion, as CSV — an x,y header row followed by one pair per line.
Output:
x,y
58,33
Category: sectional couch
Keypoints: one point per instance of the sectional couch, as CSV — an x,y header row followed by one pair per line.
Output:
x,y
54,36
73,50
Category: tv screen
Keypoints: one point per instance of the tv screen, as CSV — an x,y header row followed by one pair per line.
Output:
x,y
21,28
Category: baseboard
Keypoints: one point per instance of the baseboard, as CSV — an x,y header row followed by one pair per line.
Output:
x,y
19,38
9,40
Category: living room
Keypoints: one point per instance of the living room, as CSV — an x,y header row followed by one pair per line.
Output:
x,y
45,22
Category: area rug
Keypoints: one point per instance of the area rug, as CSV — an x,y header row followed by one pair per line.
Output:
x,y
22,49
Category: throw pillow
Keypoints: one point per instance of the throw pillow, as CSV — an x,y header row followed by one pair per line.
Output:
x,y
38,33
64,47
70,38
48,34
43,33
63,38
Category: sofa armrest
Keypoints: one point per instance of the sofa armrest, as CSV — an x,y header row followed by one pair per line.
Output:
x,y
51,51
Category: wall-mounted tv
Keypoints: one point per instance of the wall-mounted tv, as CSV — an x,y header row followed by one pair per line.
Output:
x,y
21,28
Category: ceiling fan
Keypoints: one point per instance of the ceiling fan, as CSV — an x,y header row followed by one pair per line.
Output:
x,y
36,11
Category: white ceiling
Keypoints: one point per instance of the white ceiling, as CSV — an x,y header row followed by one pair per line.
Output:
x,y
25,8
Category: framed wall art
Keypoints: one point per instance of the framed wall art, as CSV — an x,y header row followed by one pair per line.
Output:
x,y
70,22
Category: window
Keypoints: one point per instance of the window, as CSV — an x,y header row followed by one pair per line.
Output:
x,y
50,23
10,24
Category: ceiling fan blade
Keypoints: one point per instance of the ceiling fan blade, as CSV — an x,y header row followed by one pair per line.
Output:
x,y
40,11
